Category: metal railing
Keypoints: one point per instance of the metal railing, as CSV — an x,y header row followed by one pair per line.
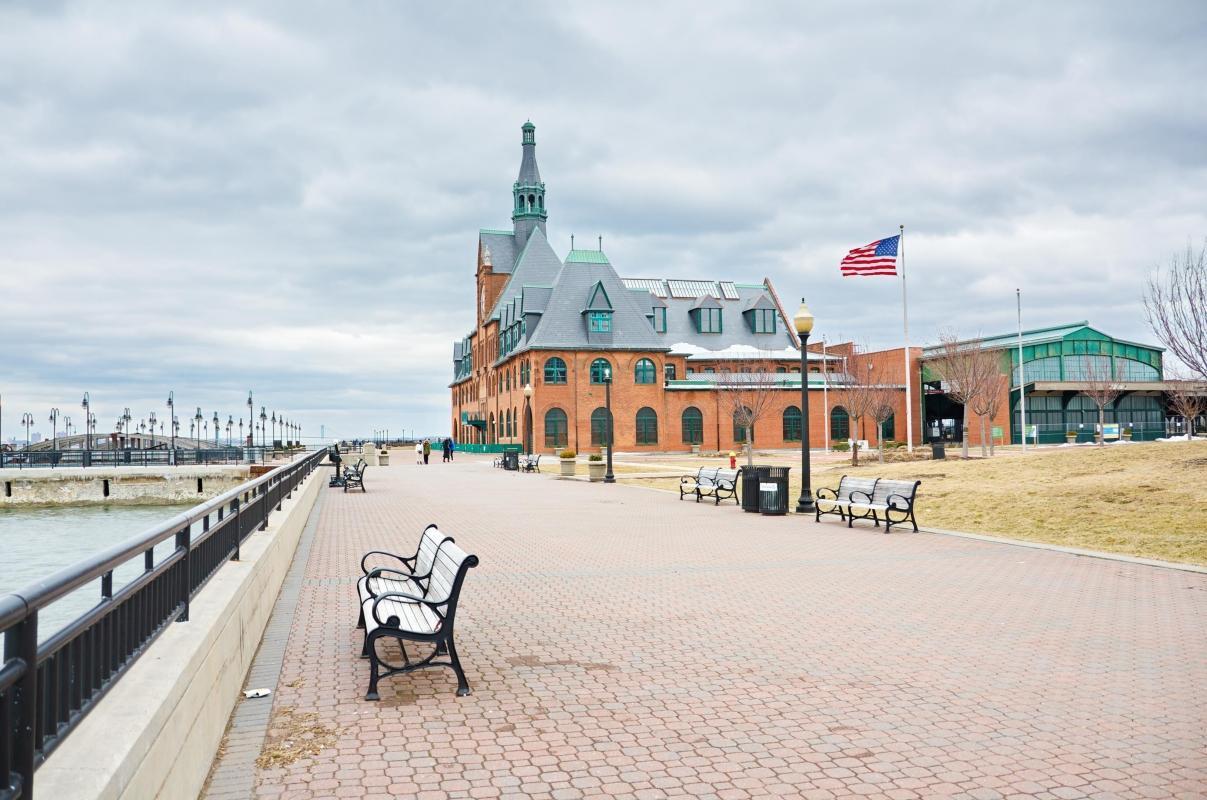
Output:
x,y
151,457
47,688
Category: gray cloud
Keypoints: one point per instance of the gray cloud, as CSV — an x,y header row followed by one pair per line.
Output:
x,y
286,196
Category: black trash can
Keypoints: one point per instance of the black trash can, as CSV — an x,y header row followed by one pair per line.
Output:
x,y
511,459
773,491
751,477
937,451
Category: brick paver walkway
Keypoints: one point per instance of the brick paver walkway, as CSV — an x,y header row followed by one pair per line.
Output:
x,y
623,644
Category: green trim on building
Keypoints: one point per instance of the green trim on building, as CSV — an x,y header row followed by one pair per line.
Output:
x,y
587,257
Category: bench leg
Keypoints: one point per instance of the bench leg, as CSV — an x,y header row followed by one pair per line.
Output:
x,y
373,669
360,618
462,684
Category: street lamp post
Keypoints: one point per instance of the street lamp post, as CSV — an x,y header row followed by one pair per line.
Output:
x,y
126,420
804,326
608,476
217,430
197,429
240,428
86,405
274,428
151,420
67,427
250,416
27,419
172,425
230,423
263,425
528,419
54,432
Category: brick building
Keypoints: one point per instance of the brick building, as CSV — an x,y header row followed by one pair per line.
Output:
x,y
564,326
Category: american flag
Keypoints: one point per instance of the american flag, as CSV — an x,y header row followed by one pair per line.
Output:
x,y
877,258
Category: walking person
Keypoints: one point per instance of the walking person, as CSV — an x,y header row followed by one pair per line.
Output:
x,y
418,452
452,447
446,449
427,449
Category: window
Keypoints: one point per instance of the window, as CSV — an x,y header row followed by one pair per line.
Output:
x,y
739,429
491,430
599,427
693,425
644,371
780,370
601,370
708,320
507,424
660,320
840,424
600,321
555,428
555,370
762,320
647,426
690,372
668,371
792,424
888,428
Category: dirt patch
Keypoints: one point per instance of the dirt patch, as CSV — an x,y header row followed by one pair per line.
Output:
x,y
294,735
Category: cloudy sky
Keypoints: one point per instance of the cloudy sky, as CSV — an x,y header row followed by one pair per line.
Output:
x,y
208,198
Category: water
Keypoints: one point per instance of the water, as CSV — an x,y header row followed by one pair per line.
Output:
x,y
37,542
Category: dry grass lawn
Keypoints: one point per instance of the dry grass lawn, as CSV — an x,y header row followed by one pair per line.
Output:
x,y
1147,500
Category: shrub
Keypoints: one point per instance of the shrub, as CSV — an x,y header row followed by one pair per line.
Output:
x,y
567,454
595,457
841,447
890,444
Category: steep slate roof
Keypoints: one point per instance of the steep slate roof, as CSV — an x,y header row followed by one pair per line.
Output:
x,y
537,264
681,335
563,325
502,248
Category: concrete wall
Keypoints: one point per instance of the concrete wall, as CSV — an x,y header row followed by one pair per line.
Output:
x,y
156,732
127,485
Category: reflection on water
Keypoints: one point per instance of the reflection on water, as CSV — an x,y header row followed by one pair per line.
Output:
x,y
37,542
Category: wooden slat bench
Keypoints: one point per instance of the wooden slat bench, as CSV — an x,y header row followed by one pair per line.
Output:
x,y
531,463
389,572
425,617
719,484
870,498
354,477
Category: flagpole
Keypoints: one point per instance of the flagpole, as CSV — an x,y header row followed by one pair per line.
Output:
x,y
1022,383
909,402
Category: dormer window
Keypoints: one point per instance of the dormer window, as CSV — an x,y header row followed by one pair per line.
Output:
x,y
761,320
599,321
660,319
708,320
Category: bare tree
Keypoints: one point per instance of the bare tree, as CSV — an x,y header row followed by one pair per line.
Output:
x,y
1175,303
866,394
959,366
994,396
748,395
1101,383
985,396
1188,399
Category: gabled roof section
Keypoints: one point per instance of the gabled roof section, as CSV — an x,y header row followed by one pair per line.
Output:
x,y
706,301
502,249
598,299
562,325
534,299
536,264
761,301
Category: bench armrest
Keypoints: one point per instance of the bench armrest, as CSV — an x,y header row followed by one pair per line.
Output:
x,y
909,502
851,497
818,494
403,597
408,561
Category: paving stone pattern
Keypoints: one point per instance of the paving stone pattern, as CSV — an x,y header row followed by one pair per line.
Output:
x,y
621,643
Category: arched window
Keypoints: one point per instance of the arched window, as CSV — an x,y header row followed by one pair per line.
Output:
x,y
647,426
599,427
792,426
600,369
693,425
739,428
491,431
531,202
840,424
644,371
555,428
555,370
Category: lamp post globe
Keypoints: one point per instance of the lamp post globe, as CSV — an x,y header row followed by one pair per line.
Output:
x,y
803,322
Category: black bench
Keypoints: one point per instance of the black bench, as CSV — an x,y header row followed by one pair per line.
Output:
x,y
531,463
354,477
870,498
426,617
719,484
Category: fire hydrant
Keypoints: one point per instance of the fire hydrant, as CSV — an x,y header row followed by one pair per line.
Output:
x,y
733,460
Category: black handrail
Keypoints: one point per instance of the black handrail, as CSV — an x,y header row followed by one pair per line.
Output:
x,y
74,667
131,457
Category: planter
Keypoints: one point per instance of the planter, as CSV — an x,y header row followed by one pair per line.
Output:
x,y
596,469
1127,436
1071,437
568,466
